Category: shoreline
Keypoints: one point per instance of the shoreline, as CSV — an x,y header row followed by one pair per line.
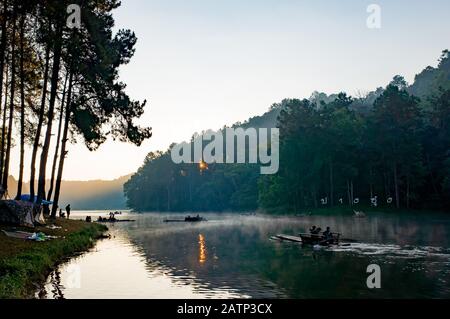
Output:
x,y
24,265
319,211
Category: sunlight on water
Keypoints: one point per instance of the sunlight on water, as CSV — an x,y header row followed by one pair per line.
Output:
x,y
202,249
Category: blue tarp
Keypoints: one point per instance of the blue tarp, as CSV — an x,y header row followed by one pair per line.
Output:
x,y
26,198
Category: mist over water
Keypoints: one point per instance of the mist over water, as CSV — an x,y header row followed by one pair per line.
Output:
x,y
232,256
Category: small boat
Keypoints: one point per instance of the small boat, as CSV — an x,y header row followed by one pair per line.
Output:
x,y
188,219
196,219
312,239
288,238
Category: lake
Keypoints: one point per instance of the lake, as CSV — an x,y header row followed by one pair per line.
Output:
x,y
232,256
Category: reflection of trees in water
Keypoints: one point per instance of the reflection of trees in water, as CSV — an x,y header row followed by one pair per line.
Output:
x,y
54,281
419,229
241,256
56,285
183,257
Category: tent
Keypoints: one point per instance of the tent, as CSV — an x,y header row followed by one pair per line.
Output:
x,y
18,213
26,198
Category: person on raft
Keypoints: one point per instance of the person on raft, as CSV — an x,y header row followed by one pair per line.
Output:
x,y
327,234
314,230
112,216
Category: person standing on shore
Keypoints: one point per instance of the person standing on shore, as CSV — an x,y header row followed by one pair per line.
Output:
x,y
68,211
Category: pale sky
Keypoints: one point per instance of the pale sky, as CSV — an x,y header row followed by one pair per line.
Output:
x,y
205,63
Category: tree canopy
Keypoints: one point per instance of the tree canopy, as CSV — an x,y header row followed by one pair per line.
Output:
x,y
388,147
53,70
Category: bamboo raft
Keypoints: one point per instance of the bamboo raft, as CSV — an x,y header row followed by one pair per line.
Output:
x,y
186,220
290,238
311,239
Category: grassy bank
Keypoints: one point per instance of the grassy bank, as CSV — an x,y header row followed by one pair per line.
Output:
x,y
24,264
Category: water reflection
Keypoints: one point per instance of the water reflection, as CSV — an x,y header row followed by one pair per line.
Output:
x,y
116,268
54,287
202,249
231,256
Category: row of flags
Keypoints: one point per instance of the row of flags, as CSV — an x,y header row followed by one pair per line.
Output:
x,y
356,201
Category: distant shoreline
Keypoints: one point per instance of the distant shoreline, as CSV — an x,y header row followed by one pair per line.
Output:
x,y
337,210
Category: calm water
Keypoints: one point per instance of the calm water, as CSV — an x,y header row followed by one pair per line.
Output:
x,y
232,256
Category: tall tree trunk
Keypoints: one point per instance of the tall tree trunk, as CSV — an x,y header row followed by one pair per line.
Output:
x,y
432,177
331,185
397,192
296,201
37,137
302,194
388,183
314,193
55,158
63,154
22,108
407,192
349,195
3,144
50,115
2,68
371,184
351,192
11,102
386,191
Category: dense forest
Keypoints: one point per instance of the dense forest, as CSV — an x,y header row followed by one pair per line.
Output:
x,y
390,147
59,83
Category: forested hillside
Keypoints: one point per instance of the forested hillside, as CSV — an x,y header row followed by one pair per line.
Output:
x,y
389,147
